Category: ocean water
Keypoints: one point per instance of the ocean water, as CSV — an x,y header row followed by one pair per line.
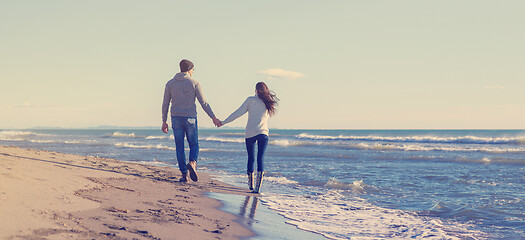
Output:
x,y
342,184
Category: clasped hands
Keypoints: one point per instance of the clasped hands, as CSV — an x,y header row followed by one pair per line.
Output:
x,y
217,122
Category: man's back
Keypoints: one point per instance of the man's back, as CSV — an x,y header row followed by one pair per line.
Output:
x,y
181,92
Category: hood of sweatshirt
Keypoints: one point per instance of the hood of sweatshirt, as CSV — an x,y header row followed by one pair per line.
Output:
x,y
181,76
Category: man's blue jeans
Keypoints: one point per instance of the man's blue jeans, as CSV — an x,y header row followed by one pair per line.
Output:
x,y
262,143
185,126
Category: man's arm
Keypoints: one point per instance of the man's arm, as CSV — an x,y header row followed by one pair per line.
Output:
x,y
205,106
165,108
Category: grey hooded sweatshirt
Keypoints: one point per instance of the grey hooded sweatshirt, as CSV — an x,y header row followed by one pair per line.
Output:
x,y
181,91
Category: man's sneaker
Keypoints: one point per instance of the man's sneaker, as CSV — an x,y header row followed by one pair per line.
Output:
x,y
184,177
192,168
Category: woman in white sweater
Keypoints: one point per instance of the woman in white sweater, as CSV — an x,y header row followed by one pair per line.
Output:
x,y
259,107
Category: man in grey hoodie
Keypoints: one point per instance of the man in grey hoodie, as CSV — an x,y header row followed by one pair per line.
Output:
x,y
181,92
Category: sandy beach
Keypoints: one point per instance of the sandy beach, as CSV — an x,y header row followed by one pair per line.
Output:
x,y
49,195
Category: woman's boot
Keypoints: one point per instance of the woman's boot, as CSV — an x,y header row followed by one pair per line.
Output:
x,y
250,180
259,182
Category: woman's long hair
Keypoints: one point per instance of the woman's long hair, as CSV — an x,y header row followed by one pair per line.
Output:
x,y
267,96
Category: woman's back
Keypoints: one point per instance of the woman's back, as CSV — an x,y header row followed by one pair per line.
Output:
x,y
257,117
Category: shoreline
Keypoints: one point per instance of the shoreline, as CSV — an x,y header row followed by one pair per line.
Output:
x,y
263,221
47,194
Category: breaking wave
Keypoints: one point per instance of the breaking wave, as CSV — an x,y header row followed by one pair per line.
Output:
x,y
422,139
159,137
9,135
122,135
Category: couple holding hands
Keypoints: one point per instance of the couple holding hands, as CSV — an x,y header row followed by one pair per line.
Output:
x,y
181,92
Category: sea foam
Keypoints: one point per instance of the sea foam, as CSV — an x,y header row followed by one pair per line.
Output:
x,y
158,146
355,187
337,217
280,180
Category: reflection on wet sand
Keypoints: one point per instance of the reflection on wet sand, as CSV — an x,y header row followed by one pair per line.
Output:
x,y
253,208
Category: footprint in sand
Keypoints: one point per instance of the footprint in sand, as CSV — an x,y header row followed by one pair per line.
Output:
x,y
3,196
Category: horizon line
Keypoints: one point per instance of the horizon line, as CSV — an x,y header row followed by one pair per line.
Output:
x,y
104,127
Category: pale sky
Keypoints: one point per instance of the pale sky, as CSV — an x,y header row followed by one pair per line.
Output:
x,y
334,64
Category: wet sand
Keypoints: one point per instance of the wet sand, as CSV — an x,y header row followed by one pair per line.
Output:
x,y
48,195
264,222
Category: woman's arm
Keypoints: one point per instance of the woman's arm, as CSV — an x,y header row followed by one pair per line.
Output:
x,y
238,113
